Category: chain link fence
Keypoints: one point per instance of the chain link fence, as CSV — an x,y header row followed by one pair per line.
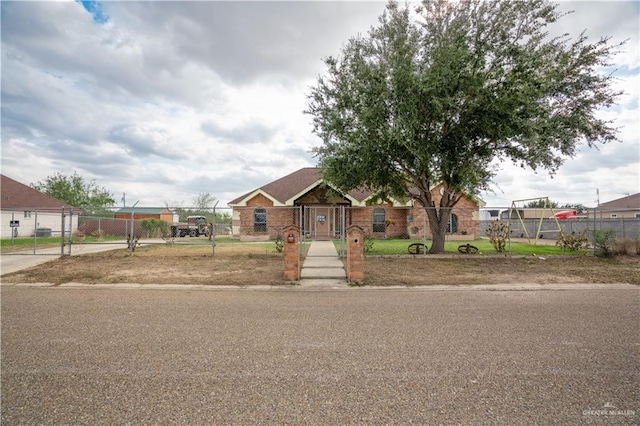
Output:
x,y
30,230
33,230
541,223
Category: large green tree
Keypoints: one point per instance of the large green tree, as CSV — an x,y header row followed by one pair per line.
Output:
x,y
76,191
437,94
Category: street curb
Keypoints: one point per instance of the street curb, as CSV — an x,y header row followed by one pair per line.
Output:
x,y
290,287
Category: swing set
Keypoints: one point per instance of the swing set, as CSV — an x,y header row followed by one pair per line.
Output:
x,y
517,208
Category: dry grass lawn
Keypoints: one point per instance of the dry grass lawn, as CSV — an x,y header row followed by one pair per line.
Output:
x,y
257,264
502,270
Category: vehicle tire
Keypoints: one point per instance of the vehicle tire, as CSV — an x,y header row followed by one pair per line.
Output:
x,y
193,233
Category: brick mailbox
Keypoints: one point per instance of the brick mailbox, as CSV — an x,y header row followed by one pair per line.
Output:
x,y
355,254
291,236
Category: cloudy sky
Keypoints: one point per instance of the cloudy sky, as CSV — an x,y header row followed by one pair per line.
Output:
x,y
167,100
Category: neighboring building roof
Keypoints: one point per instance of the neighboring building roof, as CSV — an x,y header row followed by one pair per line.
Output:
x,y
15,195
143,210
628,202
285,190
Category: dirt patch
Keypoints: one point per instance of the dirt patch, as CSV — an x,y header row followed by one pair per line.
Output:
x,y
161,265
502,270
250,265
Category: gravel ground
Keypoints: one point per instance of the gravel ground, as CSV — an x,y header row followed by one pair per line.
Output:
x,y
96,356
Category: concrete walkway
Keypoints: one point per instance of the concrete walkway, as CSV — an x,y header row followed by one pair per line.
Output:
x,y
322,267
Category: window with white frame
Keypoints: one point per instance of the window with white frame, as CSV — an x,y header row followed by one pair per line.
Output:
x,y
379,220
452,227
260,220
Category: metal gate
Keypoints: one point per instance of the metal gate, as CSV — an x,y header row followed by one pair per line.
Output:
x,y
323,222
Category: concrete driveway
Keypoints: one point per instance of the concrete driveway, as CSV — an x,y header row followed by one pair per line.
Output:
x,y
12,262
122,356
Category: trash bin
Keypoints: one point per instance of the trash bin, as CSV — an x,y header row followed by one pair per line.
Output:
x,y
43,232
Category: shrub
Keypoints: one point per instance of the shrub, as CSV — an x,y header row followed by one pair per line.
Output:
x,y
97,234
573,241
603,241
279,243
154,227
626,247
498,234
368,243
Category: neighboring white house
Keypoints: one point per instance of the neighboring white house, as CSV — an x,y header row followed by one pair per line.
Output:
x,y
27,212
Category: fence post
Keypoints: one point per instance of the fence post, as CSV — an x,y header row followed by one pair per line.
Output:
x,y
70,229
213,231
131,241
62,232
343,230
13,230
300,224
35,232
593,237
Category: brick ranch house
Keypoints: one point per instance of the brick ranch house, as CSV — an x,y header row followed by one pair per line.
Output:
x,y
263,212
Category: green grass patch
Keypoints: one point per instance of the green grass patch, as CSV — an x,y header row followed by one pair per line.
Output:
x,y
29,241
396,247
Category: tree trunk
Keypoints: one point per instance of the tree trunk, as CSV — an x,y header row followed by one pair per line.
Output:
x,y
438,221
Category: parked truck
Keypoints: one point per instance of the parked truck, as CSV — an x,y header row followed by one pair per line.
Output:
x,y
195,226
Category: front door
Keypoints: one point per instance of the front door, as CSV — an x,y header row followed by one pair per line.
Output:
x,y
323,222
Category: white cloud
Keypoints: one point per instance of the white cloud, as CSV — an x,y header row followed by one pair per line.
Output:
x,y
167,100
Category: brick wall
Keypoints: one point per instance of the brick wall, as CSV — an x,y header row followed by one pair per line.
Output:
x,y
401,221
396,217
466,210
260,201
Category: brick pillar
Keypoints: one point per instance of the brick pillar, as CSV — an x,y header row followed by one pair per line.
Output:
x,y
355,254
291,235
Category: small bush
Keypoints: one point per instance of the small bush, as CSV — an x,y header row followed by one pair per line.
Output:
x,y
97,234
279,243
368,243
603,241
498,234
155,227
573,241
627,247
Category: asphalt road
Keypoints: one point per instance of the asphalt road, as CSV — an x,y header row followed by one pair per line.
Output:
x,y
107,356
